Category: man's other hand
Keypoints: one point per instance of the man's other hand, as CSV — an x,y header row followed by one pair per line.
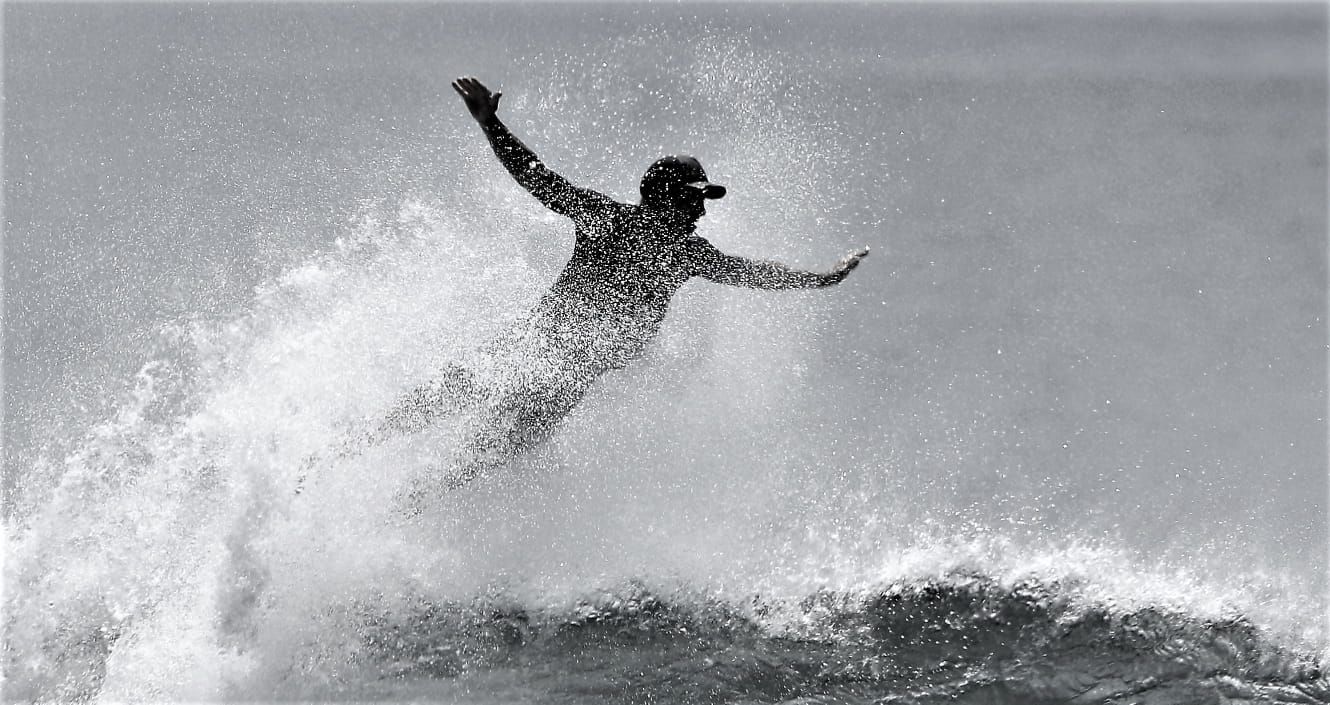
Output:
x,y
479,100
844,267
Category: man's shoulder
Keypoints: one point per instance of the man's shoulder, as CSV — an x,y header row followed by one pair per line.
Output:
x,y
699,245
600,210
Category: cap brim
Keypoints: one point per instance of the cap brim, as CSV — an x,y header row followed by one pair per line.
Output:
x,y
708,189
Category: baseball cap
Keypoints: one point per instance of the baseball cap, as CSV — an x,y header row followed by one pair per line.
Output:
x,y
686,171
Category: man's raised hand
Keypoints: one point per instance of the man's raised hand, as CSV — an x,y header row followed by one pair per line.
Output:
x,y
479,100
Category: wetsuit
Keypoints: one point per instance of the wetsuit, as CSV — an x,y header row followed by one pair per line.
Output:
x,y
627,262
608,303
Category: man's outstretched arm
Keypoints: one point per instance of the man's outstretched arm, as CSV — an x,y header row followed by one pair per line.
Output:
x,y
551,189
740,271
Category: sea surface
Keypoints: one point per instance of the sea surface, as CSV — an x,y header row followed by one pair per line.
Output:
x,y
1060,438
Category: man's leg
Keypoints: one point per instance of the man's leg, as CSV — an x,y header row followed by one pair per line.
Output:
x,y
518,422
453,389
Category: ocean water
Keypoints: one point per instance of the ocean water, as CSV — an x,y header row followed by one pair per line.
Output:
x,y
1061,438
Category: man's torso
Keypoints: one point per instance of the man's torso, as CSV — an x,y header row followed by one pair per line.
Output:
x,y
611,297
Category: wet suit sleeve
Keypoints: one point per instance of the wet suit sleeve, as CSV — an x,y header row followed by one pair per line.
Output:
x,y
714,265
551,189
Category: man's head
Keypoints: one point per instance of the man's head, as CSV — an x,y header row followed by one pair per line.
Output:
x,y
679,184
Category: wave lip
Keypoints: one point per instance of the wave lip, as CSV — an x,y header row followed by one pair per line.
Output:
x,y
961,638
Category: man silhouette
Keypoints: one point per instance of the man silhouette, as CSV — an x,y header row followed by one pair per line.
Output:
x,y
608,303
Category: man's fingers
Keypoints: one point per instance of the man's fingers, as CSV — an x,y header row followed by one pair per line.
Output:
x,y
474,85
473,90
847,264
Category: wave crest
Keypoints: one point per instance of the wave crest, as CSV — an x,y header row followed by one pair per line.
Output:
x,y
964,637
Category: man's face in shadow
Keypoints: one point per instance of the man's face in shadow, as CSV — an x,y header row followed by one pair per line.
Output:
x,y
689,203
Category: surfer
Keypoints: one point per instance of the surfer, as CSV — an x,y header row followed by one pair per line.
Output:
x,y
609,302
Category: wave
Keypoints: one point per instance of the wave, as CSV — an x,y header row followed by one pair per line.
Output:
x,y
170,560
166,557
959,638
